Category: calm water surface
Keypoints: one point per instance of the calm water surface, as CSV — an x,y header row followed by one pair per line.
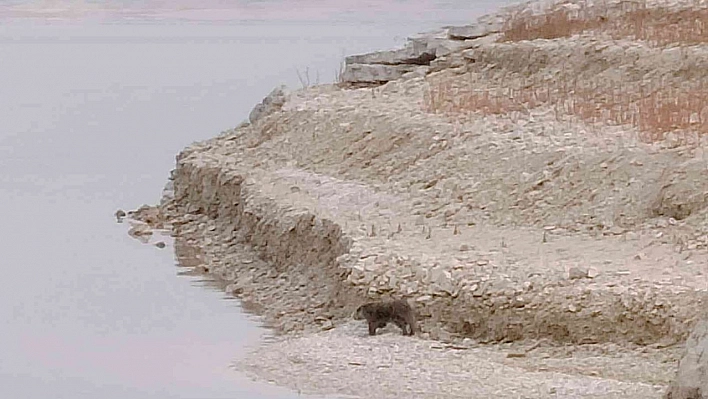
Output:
x,y
94,105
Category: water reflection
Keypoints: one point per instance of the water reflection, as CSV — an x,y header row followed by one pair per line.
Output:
x,y
91,116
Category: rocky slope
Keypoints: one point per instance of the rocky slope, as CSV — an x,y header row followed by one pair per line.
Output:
x,y
538,177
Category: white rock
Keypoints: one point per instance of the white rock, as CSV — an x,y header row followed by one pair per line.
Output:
x,y
424,298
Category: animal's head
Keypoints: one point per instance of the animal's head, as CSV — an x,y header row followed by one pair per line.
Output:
x,y
359,313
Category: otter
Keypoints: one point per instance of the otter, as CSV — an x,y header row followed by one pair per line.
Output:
x,y
378,314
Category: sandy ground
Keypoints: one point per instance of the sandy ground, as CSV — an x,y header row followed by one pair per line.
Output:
x,y
346,361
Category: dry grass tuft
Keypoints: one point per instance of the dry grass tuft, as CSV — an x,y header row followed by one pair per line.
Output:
x,y
658,107
657,26
654,113
673,110
555,24
663,27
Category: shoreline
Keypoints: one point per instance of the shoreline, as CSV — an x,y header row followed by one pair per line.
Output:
x,y
331,195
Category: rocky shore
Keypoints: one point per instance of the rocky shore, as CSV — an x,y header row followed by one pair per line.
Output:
x,y
547,219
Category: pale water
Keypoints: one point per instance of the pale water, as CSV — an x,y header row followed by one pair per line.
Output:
x,y
95,102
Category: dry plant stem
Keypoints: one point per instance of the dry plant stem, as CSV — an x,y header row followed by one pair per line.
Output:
x,y
654,111
658,26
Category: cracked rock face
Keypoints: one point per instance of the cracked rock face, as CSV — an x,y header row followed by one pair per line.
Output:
x,y
416,56
692,377
415,53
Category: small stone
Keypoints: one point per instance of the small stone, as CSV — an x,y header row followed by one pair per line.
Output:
x,y
515,355
355,363
160,244
120,214
141,232
444,336
577,273
464,248
424,298
616,230
327,325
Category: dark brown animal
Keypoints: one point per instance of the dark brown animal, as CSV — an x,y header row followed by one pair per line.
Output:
x,y
378,314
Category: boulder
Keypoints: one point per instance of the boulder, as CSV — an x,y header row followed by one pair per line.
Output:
x,y
682,192
416,52
271,103
692,378
410,61
383,66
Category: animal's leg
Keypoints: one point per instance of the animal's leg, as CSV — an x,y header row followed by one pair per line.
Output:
x,y
403,326
372,328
